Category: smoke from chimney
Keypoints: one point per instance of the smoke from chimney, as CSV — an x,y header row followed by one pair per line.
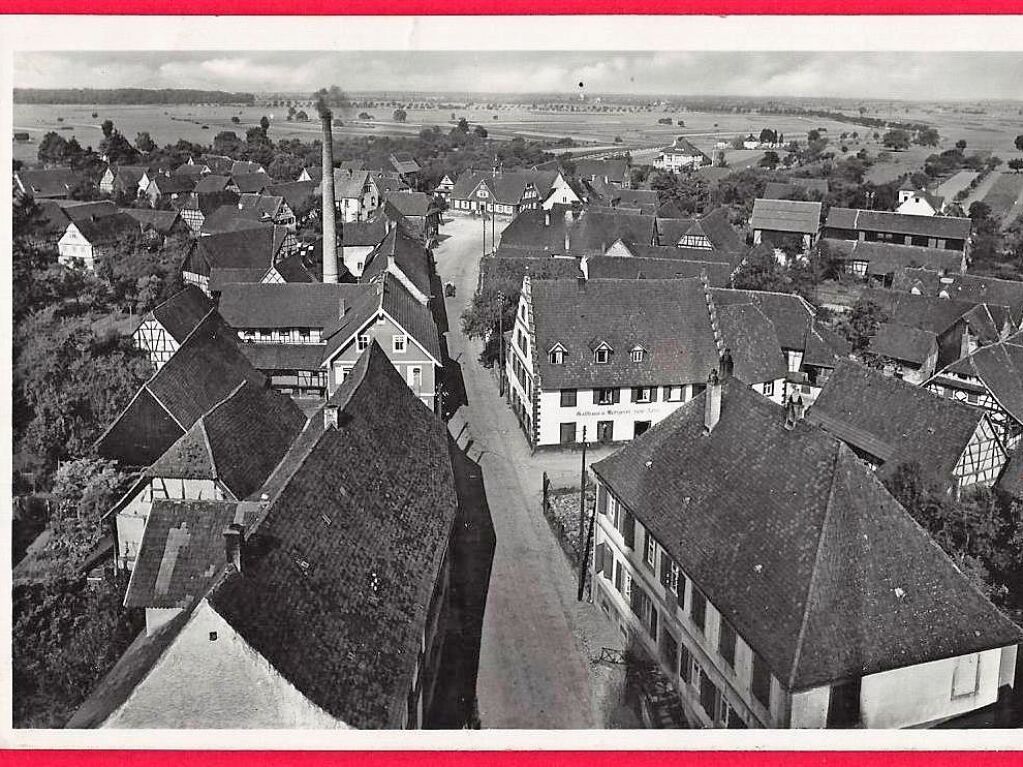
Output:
x,y
327,187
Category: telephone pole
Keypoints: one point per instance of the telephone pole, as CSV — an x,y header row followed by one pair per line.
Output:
x,y
584,540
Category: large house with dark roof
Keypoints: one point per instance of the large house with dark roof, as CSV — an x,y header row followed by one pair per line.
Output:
x,y
681,156
87,239
202,203
977,288
614,357
990,378
576,232
891,423
500,192
306,338
52,183
406,259
775,582
276,592
417,212
944,232
226,455
257,253
206,367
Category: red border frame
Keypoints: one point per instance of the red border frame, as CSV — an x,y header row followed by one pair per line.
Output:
x,y
515,758
513,7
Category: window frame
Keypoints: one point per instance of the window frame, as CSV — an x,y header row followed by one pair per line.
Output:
x,y
557,357
601,355
362,342
399,340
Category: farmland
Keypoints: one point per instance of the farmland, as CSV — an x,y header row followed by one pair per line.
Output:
x,y
1004,197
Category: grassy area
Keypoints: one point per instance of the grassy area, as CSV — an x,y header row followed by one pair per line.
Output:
x,y
1004,194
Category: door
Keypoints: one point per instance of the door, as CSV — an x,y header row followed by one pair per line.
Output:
x,y
567,433
605,431
844,706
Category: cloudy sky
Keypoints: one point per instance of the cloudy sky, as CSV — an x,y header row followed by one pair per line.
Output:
x,y
922,76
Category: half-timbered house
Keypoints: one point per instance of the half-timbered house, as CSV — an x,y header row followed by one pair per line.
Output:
x,y
162,331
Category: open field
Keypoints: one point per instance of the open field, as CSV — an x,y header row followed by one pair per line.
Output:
x,y
955,184
199,123
1004,196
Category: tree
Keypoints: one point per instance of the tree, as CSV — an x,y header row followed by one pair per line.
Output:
x,y
53,149
928,137
690,193
1019,143
463,125
768,136
400,115
480,131
770,160
301,116
264,125
761,271
144,142
108,128
864,320
235,119
961,145
897,139
227,143
979,211
1016,165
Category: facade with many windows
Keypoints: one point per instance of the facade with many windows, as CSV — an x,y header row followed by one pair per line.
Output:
x,y
751,594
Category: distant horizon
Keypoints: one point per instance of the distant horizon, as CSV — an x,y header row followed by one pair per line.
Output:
x,y
971,77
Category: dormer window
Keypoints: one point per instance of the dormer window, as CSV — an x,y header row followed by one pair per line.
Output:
x,y
638,354
602,355
557,357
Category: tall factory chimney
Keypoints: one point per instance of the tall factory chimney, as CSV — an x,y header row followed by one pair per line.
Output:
x,y
327,186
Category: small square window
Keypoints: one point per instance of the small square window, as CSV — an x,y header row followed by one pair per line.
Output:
x,y
638,355
398,343
557,357
213,636
769,389
362,343
602,356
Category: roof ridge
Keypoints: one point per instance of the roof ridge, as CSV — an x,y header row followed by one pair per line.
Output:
x,y
804,622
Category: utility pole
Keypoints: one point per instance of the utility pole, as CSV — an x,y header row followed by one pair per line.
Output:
x,y
500,338
583,539
493,232
483,220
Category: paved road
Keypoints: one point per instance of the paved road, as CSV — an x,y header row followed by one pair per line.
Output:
x,y
533,671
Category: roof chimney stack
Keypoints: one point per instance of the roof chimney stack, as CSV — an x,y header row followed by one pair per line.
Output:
x,y
329,200
330,416
790,414
712,403
234,542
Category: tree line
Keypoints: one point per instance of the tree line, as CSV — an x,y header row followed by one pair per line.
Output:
x,y
134,96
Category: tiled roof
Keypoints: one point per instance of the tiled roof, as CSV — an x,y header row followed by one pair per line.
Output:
x,y
796,216
292,269
160,221
338,603
56,182
714,226
614,168
637,267
894,421
103,230
217,163
273,357
589,231
251,182
507,187
798,545
295,193
181,313
238,442
617,196
922,312
404,162
887,257
211,183
1000,367
412,203
416,319
195,171
181,554
409,256
364,233
251,248
791,315
264,206
350,184
669,319
57,214
1011,481
130,175
750,338
292,305
964,287
206,368
903,344
942,227
173,184
780,190
246,167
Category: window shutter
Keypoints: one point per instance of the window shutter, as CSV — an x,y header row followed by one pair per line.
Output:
x,y
609,563
602,499
596,396
635,394
681,591
598,558
653,393
616,396
665,569
629,531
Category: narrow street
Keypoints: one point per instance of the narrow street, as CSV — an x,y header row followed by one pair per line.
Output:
x,y
537,640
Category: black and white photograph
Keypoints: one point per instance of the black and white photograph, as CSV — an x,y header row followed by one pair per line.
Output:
x,y
399,382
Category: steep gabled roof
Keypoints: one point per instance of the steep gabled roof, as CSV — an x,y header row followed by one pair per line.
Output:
x,y
56,182
903,344
181,313
360,234
295,193
941,227
922,312
409,256
160,221
1000,367
798,545
254,248
640,267
206,368
359,529
894,421
411,203
251,182
238,442
964,287
211,183
246,167
173,184
57,214
589,231
750,338
103,230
